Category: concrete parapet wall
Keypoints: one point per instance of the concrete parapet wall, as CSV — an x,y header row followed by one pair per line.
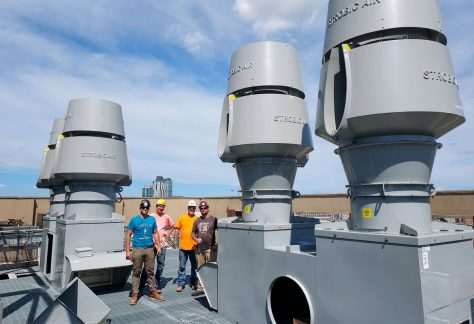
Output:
x,y
31,209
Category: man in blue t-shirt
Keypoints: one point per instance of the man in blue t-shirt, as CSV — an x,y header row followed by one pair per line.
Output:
x,y
145,237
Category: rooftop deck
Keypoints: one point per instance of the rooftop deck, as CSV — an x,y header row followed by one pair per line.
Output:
x,y
25,297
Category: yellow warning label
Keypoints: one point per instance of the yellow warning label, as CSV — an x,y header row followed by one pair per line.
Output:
x,y
61,136
232,97
367,212
46,149
247,208
346,47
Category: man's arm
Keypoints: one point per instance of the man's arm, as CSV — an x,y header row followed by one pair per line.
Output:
x,y
127,244
176,234
194,234
178,227
157,242
170,222
169,225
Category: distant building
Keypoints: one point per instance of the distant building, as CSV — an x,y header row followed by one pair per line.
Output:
x,y
161,187
147,191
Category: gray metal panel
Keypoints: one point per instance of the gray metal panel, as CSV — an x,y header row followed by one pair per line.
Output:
x,y
223,150
409,93
80,299
48,238
95,115
207,275
56,131
444,235
263,64
240,258
57,199
389,213
389,160
447,281
299,267
392,283
247,268
98,261
75,304
258,121
87,158
266,189
90,200
348,18
362,282
102,234
45,169
57,313
45,178
401,80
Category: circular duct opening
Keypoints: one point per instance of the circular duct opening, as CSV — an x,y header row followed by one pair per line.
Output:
x,y
288,302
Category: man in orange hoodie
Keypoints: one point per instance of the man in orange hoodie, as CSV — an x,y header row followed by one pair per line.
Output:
x,y
184,225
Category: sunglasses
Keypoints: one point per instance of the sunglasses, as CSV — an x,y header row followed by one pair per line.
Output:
x,y
203,208
144,207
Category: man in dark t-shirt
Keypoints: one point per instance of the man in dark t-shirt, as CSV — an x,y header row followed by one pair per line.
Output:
x,y
204,233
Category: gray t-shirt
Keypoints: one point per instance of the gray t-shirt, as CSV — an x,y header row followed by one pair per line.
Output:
x,y
205,229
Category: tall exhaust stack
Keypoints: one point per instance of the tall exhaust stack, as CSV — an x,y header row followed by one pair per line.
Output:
x,y
57,196
264,128
264,131
91,163
387,92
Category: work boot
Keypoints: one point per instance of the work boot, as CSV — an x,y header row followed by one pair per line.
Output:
x,y
179,288
156,295
197,293
193,286
134,299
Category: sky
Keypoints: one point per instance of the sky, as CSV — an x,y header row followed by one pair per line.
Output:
x,y
166,64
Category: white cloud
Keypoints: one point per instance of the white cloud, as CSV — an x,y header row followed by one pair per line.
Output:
x,y
194,41
268,16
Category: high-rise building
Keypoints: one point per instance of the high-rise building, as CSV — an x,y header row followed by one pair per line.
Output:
x,y
147,191
162,187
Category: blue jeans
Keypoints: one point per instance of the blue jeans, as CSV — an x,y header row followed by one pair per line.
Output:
x,y
183,258
160,264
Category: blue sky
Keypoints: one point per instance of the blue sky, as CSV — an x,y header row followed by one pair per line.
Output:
x,y
165,63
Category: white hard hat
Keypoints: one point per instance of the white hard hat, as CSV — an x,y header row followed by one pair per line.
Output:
x,y
192,203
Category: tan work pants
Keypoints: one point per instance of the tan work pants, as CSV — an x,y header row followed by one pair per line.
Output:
x,y
140,257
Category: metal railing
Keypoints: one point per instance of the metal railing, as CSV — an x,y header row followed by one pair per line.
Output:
x,y
19,246
324,217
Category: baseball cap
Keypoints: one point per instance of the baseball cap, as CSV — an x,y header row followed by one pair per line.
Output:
x,y
203,203
192,203
161,202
